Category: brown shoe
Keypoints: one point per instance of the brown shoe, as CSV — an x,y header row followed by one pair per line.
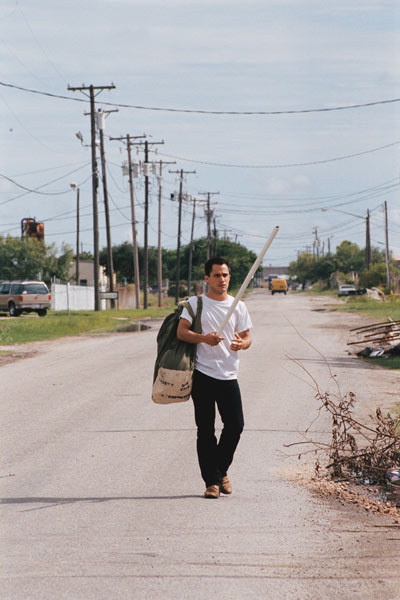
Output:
x,y
212,491
226,487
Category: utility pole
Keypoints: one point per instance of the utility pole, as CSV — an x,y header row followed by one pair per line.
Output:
x,y
136,274
110,266
209,215
315,244
368,251
387,245
178,249
159,247
146,170
146,224
95,183
215,239
191,248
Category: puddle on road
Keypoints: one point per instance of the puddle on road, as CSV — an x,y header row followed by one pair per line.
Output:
x,y
129,327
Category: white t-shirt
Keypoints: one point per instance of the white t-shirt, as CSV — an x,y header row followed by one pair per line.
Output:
x,y
219,361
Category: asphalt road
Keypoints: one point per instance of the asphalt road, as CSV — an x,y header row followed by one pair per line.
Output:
x,y
101,496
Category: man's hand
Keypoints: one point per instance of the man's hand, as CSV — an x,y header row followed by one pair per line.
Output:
x,y
212,339
242,341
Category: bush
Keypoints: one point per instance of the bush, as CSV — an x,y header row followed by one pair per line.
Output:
x,y
373,277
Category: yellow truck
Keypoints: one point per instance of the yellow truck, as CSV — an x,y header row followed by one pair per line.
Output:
x,y
279,286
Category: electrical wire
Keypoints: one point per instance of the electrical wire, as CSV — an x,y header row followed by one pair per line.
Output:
x,y
283,166
47,169
29,191
40,45
209,112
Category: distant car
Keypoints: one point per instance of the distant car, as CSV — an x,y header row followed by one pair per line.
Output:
x,y
346,290
279,286
24,296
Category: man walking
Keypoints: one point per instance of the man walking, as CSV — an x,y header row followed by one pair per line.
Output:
x,y
215,375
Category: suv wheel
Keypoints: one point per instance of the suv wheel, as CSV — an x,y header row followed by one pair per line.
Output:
x,y
14,312
42,312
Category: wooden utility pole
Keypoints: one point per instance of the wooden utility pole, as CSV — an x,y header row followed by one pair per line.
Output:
x,y
178,249
191,248
315,244
110,265
368,251
95,183
77,235
387,245
136,274
146,167
159,247
209,215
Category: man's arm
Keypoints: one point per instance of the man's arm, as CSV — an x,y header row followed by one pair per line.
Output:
x,y
186,335
242,341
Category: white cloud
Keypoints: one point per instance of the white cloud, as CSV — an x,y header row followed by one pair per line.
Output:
x,y
278,187
302,181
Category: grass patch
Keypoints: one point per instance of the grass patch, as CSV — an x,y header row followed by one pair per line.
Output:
x,y
60,324
389,362
31,328
379,310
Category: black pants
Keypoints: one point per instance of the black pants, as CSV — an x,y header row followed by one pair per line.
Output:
x,y
215,456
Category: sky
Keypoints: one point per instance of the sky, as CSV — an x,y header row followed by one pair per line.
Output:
x,y
313,172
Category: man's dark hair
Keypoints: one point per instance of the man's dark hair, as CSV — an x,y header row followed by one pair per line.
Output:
x,y
216,260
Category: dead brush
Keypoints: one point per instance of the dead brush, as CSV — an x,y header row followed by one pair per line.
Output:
x,y
361,452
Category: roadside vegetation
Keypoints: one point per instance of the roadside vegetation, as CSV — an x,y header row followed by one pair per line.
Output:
x,y
31,328
345,266
61,324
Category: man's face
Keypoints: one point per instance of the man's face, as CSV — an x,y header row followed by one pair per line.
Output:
x,y
218,280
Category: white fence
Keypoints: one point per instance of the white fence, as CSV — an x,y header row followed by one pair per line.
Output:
x,y
73,297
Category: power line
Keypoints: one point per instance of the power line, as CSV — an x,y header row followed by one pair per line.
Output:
x,y
29,191
209,112
281,166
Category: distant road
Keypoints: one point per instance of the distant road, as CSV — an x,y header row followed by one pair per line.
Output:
x,y
101,492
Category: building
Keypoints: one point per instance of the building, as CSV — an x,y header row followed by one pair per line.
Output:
x,y
86,273
273,272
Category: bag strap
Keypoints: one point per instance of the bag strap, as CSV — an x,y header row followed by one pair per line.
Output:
x,y
196,318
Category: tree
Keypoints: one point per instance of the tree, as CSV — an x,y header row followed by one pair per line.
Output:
x,y
373,277
30,258
323,268
238,256
349,257
85,256
302,268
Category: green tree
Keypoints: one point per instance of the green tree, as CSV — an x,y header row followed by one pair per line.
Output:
x,y
323,268
349,257
58,266
85,256
302,268
375,276
31,259
238,256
